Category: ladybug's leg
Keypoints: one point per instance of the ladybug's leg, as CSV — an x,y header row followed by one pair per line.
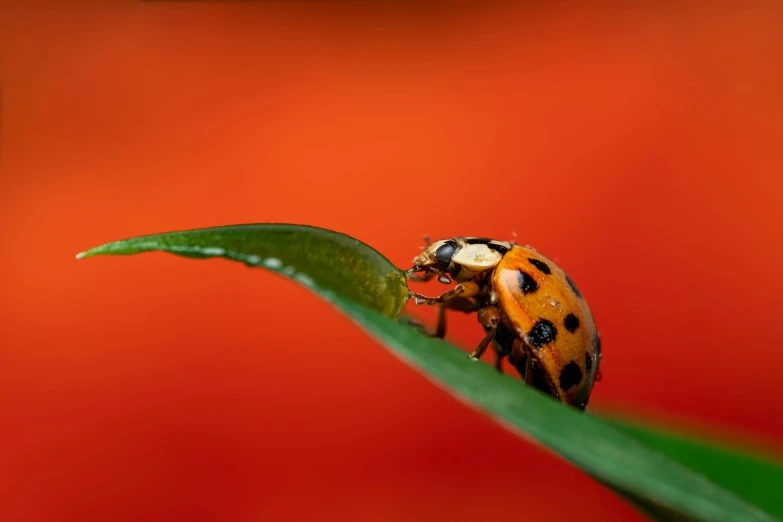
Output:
x,y
457,299
460,303
501,350
455,303
428,275
489,317
420,278
464,290
521,361
529,371
499,362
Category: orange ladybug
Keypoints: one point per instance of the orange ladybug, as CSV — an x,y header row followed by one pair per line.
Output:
x,y
528,306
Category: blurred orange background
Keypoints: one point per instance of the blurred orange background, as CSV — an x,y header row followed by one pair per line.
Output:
x,y
640,149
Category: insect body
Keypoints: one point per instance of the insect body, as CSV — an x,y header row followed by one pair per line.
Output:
x,y
529,308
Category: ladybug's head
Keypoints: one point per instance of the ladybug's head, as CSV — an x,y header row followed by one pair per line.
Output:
x,y
460,257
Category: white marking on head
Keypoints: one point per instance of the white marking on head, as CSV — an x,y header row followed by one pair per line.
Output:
x,y
477,258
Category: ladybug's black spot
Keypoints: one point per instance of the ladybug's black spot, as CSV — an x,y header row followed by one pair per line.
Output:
x,y
588,362
573,287
543,332
570,376
444,253
497,248
571,323
526,282
491,244
540,265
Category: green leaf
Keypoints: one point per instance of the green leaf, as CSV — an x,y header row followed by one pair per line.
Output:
x,y
666,488
328,262
755,477
372,292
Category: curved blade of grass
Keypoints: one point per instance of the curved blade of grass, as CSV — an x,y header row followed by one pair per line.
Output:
x,y
329,262
666,489
755,477
372,292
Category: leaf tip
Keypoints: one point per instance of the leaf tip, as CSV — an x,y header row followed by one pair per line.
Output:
x,y
81,255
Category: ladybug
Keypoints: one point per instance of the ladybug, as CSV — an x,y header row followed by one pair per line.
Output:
x,y
530,309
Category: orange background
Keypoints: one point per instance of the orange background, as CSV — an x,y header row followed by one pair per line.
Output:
x,y
638,148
